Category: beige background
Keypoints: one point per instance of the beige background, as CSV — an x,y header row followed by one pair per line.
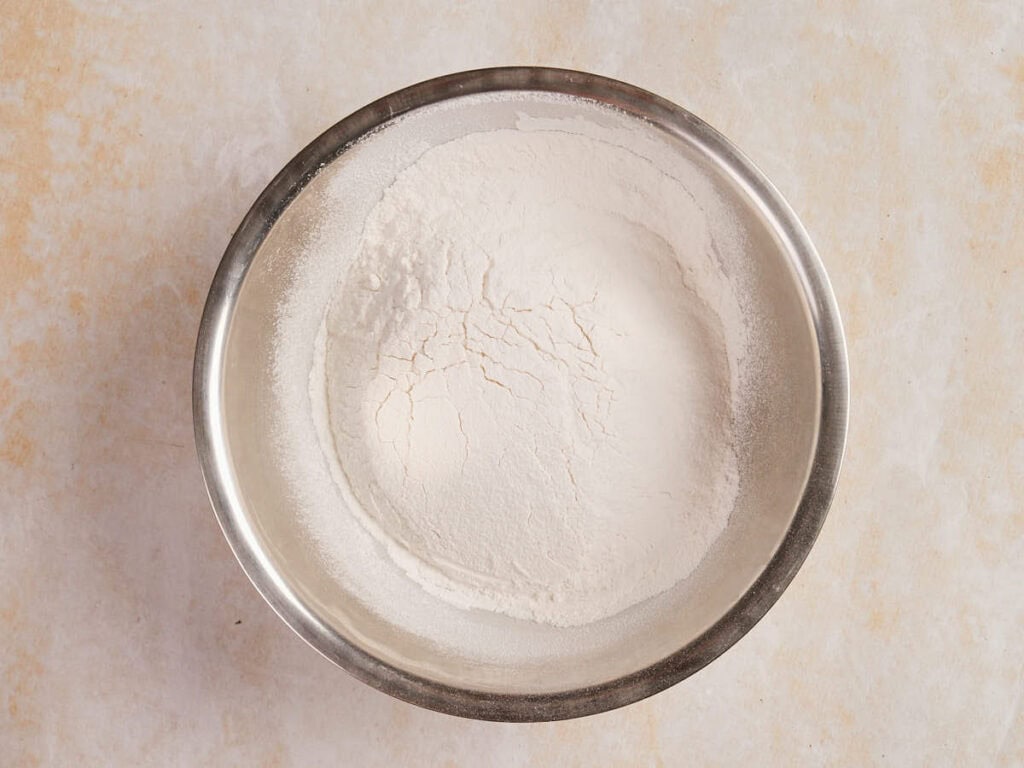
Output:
x,y
133,137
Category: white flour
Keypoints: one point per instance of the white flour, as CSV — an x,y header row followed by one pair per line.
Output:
x,y
525,377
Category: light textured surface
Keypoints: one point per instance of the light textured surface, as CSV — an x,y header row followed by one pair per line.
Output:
x,y
134,136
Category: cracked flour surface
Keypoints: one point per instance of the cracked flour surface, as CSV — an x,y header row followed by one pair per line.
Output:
x,y
522,382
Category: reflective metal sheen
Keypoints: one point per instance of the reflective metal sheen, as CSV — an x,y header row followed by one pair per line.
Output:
x,y
805,489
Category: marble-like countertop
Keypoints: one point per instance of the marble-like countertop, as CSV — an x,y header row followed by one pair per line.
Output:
x,y
133,137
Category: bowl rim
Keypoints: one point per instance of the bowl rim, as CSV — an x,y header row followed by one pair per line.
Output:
x,y
486,705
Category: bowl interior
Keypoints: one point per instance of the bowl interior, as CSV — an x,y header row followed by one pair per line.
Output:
x,y
384,617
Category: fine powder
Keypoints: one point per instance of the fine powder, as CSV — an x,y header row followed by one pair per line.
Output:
x,y
523,382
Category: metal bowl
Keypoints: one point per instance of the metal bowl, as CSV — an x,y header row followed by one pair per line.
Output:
x,y
792,453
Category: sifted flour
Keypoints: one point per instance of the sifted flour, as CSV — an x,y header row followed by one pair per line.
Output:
x,y
523,378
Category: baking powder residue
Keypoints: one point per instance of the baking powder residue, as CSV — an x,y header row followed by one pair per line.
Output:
x,y
523,379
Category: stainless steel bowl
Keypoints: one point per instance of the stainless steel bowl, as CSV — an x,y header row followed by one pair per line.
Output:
x,y
792,454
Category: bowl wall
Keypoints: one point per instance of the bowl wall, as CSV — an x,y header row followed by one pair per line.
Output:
x,y
503,668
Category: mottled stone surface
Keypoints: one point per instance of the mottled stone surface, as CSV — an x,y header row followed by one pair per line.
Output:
x,y
133,136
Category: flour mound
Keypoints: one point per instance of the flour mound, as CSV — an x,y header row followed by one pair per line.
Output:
x,y
522,378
